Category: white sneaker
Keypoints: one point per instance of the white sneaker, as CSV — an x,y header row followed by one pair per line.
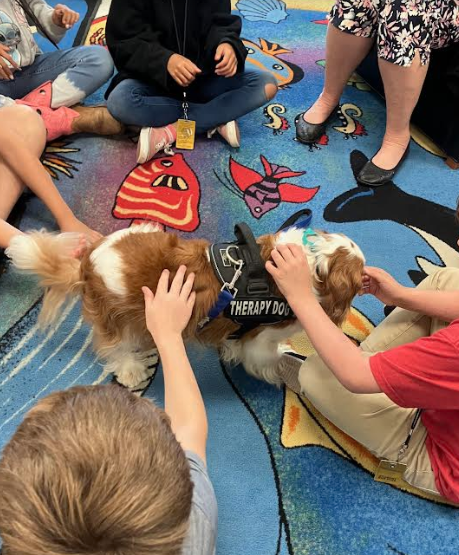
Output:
x,y
229,131
151,141
289,369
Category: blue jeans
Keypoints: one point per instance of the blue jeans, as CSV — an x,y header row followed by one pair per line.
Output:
x,y
76,73
212,101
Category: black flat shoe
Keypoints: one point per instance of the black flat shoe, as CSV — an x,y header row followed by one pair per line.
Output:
x,y
374,176
309,133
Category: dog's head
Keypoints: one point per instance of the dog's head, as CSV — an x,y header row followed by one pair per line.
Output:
x,y
336,264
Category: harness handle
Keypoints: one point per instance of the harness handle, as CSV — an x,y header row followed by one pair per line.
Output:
x,y
257,276
254,262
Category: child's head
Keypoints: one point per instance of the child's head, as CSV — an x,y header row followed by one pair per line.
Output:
x,y
94,470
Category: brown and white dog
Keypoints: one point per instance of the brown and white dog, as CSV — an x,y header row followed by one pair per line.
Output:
x,y
112,272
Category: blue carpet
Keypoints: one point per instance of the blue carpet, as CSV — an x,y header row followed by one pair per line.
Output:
x,y
273,500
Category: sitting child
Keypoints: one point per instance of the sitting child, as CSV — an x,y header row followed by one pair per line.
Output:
x,y
397,395
163,50
99,470
22,140
53,83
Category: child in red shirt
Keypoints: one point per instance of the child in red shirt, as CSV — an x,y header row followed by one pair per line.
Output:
x,y
409,362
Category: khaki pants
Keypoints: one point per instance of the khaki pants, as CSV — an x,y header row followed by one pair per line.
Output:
x,y
374,420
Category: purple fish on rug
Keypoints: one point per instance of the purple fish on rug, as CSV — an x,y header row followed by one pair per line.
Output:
x,y
264,193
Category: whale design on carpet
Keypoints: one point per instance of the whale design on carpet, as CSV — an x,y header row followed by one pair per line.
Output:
x,y
435,223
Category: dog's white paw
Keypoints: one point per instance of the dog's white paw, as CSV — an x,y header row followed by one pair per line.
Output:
x,y
133,376
129,371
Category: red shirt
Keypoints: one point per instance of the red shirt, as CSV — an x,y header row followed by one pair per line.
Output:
x,y
425,374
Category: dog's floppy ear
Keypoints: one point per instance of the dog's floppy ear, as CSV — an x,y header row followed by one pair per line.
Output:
x,y
338,280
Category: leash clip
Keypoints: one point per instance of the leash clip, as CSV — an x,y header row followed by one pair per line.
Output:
x,y
230,286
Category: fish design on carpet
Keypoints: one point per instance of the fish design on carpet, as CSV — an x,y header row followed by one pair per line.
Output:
x,y
56,161
277,122
266,57
272,11
164,190
436,224
350,126
261,193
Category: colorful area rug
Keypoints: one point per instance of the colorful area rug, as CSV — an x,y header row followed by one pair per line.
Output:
x,y
287,481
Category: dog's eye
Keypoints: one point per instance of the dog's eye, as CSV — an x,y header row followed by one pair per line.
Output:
x,y
166,163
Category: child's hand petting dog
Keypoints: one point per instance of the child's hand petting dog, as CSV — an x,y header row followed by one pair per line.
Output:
x,y
291,272
168,311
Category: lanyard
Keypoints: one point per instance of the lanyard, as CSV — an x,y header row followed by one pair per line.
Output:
x,y
181,49
404,447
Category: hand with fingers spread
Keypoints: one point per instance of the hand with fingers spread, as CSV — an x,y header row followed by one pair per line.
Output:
x,y
182,70
382,285
168,311
291,272
227,60
64,17
7,64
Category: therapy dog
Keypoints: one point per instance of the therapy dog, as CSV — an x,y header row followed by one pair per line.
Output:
x,y
238,307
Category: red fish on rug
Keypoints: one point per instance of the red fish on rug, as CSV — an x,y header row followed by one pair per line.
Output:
x,y
164,190
264,193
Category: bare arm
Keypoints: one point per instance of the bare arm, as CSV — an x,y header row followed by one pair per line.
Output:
x,y
167,314
182,398
436,304
345,360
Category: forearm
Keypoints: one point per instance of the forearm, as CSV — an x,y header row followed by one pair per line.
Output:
x,y
44,13
183,401
32,173
343,358
443,305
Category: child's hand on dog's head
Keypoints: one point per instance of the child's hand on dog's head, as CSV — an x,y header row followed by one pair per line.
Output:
x,y
168,311
291,272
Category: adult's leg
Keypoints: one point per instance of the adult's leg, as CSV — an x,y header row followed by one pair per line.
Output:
x,y
75,74
348,42
402,88
29,126
404,42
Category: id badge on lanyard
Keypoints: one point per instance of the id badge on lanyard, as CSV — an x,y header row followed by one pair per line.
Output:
x,y
186,128
392,472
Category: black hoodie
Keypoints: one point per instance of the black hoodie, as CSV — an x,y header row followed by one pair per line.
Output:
x,y
141,37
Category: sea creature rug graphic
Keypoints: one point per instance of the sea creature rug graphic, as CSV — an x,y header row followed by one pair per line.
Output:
x,y
287,481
